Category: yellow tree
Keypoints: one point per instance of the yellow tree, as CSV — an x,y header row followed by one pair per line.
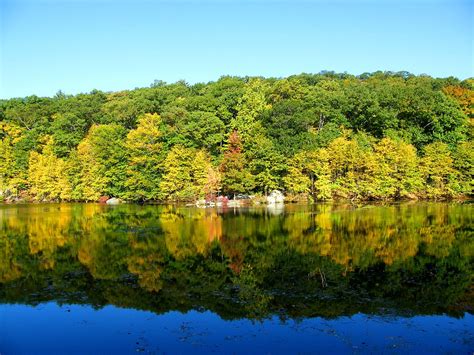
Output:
x,y
349,163
438,171
91,183
11,178
320,168
47,174
177,183
189,174
6,163
310,172
464,163
213,181
145,158
206,179
297,180
396,172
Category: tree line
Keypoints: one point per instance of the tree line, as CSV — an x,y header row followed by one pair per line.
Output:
x,y
376,136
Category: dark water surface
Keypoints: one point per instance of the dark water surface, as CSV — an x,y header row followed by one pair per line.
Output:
x,y
86,278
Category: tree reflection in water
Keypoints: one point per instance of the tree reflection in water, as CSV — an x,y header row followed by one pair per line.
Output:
x,y
320,260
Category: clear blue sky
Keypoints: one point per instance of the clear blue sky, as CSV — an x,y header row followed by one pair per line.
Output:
x,y
80,45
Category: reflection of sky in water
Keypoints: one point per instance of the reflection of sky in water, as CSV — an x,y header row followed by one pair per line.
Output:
x,y
81,329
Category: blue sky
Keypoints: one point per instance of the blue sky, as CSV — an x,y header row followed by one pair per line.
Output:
x,y
80,45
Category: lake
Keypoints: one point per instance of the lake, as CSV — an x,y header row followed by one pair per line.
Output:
x,y
339,278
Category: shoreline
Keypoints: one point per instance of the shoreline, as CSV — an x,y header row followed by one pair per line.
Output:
x,y
463,199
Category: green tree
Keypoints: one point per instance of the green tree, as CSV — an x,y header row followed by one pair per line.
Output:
x,y
102,157
67,131
290,131
124,108
236,178
265,164
205,130
251,105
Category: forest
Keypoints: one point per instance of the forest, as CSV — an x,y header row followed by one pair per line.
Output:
x,y
326,136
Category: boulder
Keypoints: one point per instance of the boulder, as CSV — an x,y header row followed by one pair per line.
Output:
x,y
113,201
275,197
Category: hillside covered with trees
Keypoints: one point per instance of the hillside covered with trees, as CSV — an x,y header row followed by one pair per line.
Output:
x,y
321,136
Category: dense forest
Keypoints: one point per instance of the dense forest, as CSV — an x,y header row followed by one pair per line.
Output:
x,y
319,136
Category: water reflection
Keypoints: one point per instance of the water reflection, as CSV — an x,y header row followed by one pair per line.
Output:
x,y
321,260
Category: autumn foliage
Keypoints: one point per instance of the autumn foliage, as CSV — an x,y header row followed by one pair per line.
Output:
x,y
327,136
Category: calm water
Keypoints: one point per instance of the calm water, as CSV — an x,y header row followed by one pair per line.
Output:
x,y
86,278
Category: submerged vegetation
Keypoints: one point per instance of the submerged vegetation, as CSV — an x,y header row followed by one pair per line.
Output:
x,y
326,136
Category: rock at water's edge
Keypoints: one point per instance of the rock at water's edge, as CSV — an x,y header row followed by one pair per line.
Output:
x,y
113,201
275,197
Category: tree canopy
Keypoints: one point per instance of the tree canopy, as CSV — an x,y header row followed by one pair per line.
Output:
x,y
380,135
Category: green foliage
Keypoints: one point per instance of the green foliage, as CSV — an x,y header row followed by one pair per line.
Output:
x,y
236,178
376,136
102,158
205,130
67,131
124,108
251,105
